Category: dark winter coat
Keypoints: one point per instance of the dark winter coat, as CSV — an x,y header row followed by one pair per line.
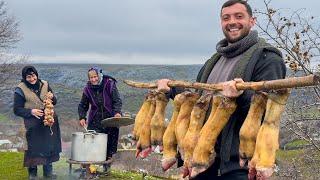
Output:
x,y
260,62
104,102
43,147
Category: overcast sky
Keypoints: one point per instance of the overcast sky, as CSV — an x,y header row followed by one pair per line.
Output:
x,y
125,31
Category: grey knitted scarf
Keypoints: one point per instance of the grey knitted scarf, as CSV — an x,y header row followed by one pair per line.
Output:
x,y
237,48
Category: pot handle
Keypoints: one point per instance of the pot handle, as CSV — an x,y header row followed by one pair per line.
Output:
x,y
90,132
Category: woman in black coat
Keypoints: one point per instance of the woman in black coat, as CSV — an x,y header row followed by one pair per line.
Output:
x,y
44,143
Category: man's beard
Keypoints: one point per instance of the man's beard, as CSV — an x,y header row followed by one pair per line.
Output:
x,y
242,35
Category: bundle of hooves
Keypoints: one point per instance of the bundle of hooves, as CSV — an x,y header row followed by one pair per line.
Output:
x,y
193,137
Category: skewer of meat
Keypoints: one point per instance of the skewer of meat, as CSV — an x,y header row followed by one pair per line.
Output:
x,y
169,137
183,119
144,144
140,117
158,121
191,138
250,127
262,163
204,155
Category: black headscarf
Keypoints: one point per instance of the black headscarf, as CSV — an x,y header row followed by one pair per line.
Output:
x,y
29,70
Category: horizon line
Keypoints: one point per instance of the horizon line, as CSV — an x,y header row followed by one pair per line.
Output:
x,y
67,63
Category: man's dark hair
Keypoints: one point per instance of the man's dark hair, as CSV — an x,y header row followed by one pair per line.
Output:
x,y
232,2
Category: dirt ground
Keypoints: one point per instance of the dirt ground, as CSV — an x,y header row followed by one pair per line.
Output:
x,y
125,160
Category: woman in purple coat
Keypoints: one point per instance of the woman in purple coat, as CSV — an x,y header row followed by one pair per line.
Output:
x,y
102,95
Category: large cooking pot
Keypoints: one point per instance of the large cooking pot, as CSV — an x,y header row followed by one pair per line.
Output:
x,y
89,146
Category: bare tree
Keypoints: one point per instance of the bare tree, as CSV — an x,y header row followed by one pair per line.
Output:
x,y
297,35
299,40
9,36
10,66
9,33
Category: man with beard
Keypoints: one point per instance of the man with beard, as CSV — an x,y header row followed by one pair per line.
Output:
x,y
241,56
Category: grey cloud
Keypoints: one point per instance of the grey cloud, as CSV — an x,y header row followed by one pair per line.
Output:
x,y
160,27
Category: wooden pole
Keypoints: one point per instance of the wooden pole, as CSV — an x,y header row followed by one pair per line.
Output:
x,y
310,80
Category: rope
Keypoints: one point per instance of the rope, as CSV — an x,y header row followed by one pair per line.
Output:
x,y
51,131
273,97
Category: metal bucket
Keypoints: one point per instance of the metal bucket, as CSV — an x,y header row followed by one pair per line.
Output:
x,y
89,146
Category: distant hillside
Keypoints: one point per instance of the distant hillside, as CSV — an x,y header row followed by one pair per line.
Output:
x,y
68,80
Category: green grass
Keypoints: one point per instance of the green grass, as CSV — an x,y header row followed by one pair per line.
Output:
x,y
306,161
119,175
288,155
11,168
3,118
312,112
296,144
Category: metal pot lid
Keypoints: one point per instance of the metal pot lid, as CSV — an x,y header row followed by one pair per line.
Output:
x,y
117,121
